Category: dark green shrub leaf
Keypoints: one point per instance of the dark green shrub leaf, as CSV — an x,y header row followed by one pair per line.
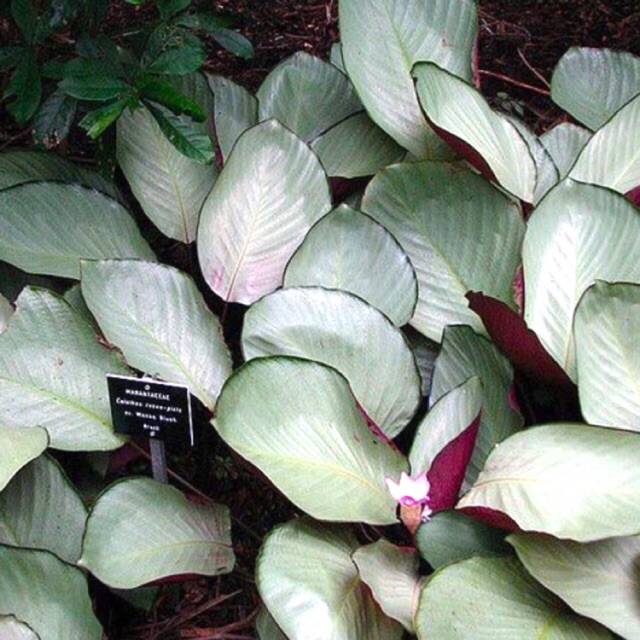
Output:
x,y
205,21
100,119
53,120
53,69
182,134
10,57
25,16
25,85
94,87
234,42
174,51
164,93
169,8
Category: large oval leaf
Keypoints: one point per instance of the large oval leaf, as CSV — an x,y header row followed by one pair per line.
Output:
x,y
356,147
465,354
392,575
140,530
606,328
340,330
547,174
48,228
19,166
578,234
348,250
569,480
495,599
169,186
451,536
158,318
52,374
307,95
319,596
40,509
47,594
266,199
460,233
383,39
564,143
492,143
235,110
19,445
610,158
12,629
6,311
592,84
599,579
297,421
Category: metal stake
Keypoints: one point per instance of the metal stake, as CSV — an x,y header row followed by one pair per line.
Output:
x,y
158,460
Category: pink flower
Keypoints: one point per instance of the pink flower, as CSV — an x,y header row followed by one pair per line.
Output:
x,y
410,491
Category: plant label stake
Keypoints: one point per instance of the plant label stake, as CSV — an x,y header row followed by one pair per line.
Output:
x,y
157,410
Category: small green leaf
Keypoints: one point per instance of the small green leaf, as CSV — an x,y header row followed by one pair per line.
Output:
x,y
94,87
53,69
10,57
173,51
169,8
178,61
25,85
182,134
164,93
53,120
234,42
86,67
205,21
98,120
25,16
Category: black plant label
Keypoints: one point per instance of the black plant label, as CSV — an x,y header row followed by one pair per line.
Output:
x,y
145,407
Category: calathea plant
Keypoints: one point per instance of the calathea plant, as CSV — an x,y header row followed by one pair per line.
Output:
x,y
466,210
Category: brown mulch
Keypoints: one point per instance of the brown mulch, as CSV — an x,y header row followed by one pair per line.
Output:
x,y
521,41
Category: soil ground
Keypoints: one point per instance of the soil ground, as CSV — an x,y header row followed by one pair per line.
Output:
x,y
520,43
